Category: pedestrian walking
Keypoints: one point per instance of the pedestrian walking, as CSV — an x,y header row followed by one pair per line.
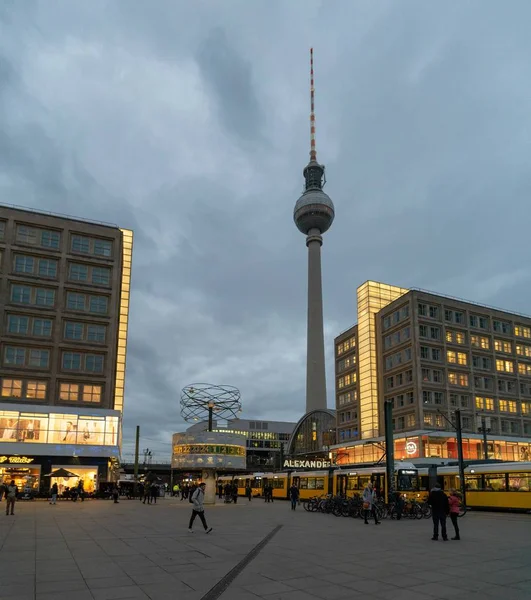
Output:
x,y
440,507
399,505
249,492
234,493
454,501
369,507
153,493
294,496
176,490
54,491
146,493
11,497
220,490
81,490
198,501
115,494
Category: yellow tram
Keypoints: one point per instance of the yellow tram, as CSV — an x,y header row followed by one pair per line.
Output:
x,y
494,486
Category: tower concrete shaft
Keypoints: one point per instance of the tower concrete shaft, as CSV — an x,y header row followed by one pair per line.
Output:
x,y
315,357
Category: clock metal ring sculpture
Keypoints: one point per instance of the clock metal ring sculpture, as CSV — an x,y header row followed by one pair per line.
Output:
x,y
199,400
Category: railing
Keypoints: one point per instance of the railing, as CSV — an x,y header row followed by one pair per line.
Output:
x,y
60,215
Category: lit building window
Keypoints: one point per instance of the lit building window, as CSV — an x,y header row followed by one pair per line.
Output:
x,y
523,350
526,408
451,356
484,403
460,379
480,342
521,331
69,392
12,388
36,390
503,346
508,406
506,366
524,369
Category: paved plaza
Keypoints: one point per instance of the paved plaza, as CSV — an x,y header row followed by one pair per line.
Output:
x,y
98,550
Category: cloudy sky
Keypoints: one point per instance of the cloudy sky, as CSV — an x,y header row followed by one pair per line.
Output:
x,y
187,121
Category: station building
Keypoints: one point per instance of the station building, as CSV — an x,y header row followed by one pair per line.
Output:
x,y
64,301
266,441
429,355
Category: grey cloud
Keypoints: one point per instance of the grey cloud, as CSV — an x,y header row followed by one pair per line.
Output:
x,y
231,79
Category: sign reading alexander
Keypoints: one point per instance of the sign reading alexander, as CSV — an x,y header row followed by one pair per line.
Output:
x,y
306,464
16,460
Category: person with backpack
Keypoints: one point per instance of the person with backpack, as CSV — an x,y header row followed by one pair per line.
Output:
x,y
198,501
11,497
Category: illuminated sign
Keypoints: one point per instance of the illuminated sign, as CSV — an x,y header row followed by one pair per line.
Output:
x,y
407,472
411,448
209,449
306,464
16,460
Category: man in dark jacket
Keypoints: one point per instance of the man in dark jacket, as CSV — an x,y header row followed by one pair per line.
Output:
x,y
440,508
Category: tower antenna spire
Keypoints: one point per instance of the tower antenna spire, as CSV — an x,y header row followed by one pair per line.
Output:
x,y
313,151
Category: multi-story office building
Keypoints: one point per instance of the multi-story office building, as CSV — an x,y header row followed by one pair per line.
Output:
x,y
266,441
64,300
428,355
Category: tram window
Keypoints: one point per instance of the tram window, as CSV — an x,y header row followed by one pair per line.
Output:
x,y
277,483
474,483
407,483
352,483
319,483
519,482
363,480
495,483
424,483
304,483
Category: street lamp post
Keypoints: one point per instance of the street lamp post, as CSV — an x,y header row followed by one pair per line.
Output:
x,y
460,458
484,428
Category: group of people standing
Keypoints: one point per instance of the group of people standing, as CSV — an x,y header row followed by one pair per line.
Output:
x,y
441,505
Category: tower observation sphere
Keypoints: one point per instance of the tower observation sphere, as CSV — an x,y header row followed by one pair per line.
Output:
x,y
314,209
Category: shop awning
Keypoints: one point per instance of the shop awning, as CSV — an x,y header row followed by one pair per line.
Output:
x,y
62,473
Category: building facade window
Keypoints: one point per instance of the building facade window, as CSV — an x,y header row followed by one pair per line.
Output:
x,y
501,326
18,324
484,383
42,327
346,380
38,237
522,331
85,303
524,369
509,406
77,272
523,350
506,366
24,388
460,400
347,345
479,341
455,337
483,403
21,357
460,379
503,346
86,245
482,362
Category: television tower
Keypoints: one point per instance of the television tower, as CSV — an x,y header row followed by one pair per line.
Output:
x,y
313,215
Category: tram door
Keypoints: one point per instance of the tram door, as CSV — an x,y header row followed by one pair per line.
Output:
x,y
378,481
342,484
296,482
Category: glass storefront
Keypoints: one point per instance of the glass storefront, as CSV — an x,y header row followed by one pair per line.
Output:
x,y
26,478
429,446
88,474
58,428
